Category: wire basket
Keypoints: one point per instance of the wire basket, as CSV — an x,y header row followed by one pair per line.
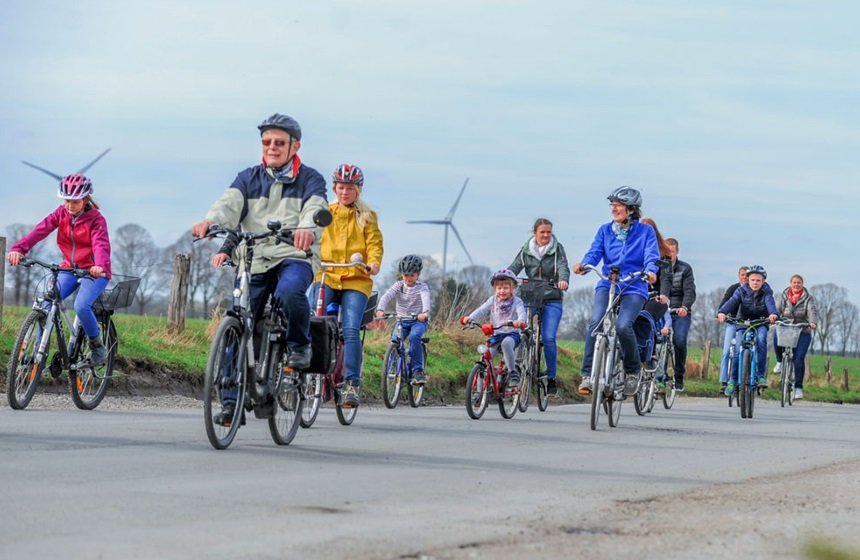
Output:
x,y
117,295
532,292
787,335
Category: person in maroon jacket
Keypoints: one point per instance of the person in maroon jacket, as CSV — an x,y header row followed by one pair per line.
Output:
x,y
82,236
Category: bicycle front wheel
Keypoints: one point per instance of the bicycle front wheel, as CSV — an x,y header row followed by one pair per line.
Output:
x,y
286,389
524,361
669,393
744,383
24,371
791,381
391,378
477,398
597,368
225,384
88,385
786,388
640,399
312,388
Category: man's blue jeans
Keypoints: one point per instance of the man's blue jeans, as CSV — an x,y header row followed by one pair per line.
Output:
x,y
680,328
631,305
727,343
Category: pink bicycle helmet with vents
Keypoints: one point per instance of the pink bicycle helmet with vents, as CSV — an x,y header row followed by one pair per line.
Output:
x,y
75,187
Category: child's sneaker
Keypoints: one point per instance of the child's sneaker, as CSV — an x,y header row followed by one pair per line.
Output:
x,y
513,379
551,388
418,377
723,386
730,388
761,381
631,383
350,397
585,386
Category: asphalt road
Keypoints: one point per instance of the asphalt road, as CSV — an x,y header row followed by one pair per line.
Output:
x,y
401,483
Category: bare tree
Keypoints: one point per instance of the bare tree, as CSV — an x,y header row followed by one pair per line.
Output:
x,y
845,325
134,253
24,279
704,325
828,299
577,313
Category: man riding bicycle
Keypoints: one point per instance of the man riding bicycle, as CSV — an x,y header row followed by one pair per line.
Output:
x,y
285,189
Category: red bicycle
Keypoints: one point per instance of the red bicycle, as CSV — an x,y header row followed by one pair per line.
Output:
x,y
489,380
324,387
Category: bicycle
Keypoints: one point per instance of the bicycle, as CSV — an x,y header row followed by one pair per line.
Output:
x,y
88,384
530,351
397,368
485,377
325,387
658,382
607,370
747,385
787,335
246,369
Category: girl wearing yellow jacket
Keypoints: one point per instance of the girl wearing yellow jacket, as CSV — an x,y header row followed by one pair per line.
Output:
x,y
353,230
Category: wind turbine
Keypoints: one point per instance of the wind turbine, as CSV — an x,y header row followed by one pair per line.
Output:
x,y
448,223
60,178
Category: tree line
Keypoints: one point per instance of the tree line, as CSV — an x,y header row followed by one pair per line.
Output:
x,y
135,253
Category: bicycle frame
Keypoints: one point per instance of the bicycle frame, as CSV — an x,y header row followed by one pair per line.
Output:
x,y
496,373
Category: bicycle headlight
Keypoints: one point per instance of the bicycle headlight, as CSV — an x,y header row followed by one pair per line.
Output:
x,y
482,348
237,293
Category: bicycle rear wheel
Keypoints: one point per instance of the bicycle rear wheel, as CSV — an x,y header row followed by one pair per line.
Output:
x,y
88,385
598,364
786,393
23,373
286,389
391,379
416,392
225,382
477,398
312,390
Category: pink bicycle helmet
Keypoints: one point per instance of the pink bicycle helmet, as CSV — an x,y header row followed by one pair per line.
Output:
x,y
75,187
347,173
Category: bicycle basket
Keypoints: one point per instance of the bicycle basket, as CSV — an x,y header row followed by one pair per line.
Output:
x,y
118,294
532,291
786,335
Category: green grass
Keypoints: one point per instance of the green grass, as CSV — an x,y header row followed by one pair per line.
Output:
x,y
145,345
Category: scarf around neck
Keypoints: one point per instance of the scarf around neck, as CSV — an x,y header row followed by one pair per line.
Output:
x,y
286,174
794,297
537,250
620,232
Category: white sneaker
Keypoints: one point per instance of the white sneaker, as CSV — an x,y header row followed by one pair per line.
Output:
x,y
778,367
798,393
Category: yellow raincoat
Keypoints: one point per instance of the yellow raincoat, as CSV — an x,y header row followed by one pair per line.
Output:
x,y
342,239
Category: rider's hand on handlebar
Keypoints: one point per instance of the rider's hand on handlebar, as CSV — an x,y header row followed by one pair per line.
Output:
x,y
519,325
721,317
218,259
813,326
14,257
372,269
464,320
578,269
487,329
200,229
422,317
303,239
97,271
772,318
652,278
380,314
563,285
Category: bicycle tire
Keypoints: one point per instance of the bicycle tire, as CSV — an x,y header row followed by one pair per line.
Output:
x,y
640,399
416,392
670,393
286,390
524,361
785,389
509,400
613,415
791,380
652,394
477,397
23,374
88,386
744,383
391,375
312,391
540,380
224,356
597,368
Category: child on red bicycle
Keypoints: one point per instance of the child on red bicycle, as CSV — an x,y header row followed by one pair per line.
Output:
x,y
503,307
751,301
82,236
411,297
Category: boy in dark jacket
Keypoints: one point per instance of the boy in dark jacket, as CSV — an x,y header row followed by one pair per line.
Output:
x,y
749,302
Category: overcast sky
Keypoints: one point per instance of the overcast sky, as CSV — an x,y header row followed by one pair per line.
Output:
x,y
737,120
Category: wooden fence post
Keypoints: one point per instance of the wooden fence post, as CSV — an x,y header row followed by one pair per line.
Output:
x,y
828,371
2,276
845,379
807,367
706,359
178,294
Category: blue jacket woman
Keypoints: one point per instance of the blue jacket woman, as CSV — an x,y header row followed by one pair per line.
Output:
x,y
629,244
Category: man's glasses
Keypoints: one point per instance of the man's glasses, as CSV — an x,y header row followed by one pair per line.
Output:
x,y
279,143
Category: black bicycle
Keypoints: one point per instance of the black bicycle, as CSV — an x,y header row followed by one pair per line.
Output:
x,y
247,370
88,383
530,352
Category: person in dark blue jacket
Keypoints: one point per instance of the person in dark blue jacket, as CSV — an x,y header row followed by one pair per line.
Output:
x,y
629,244
753,300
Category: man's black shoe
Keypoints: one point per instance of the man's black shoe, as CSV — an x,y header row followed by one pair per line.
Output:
x,y
551,388
225,417
300,358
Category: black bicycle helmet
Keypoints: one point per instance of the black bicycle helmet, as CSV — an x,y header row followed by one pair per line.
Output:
x,y
410,264
627,196
283,122
757,269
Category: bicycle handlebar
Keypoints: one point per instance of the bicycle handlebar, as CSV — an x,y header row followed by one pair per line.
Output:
x,y
79,272
640,274
748,323
790,324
